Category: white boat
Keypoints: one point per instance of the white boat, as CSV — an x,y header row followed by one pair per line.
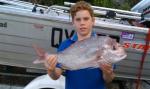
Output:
x,y
20,29
143,7
45,81
22,6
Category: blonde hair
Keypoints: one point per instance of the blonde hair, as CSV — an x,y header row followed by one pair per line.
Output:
x,y
81,5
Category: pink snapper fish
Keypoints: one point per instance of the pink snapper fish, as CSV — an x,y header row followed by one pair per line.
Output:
x,y
88,53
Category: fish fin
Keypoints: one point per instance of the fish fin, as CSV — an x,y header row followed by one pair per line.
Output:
x,y
41,53
37,61
65,68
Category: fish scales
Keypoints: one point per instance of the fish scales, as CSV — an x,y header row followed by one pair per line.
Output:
x,y
89,53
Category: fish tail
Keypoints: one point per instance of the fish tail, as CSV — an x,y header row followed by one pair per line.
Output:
x,y
41,53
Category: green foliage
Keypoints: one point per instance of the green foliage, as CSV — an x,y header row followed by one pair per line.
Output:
x,y
51,2
126,5
123,4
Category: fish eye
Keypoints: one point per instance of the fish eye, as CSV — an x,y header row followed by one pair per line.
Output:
x,y
114,48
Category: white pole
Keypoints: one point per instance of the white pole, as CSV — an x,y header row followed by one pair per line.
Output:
x,y
109,9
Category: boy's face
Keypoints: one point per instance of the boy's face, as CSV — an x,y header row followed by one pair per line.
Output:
x,y
83,22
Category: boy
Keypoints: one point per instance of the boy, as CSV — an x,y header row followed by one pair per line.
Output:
x,y
83,21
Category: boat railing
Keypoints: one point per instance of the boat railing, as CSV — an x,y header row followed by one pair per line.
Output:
x,y
115,12
24,5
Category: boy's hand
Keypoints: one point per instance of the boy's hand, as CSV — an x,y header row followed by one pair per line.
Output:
x,y
108,73
50,63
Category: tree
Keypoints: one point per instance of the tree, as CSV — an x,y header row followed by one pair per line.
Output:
x,y
103,3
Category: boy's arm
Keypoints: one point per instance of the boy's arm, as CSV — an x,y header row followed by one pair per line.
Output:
x,y
54,74
52,69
